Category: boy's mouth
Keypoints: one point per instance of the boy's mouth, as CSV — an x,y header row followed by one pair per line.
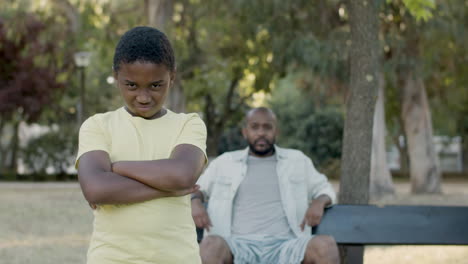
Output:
x,y
144,107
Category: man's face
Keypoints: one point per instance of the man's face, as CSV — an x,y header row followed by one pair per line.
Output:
x,y
144,87
260,132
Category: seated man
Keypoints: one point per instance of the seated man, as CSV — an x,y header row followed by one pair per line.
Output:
x,y
263,201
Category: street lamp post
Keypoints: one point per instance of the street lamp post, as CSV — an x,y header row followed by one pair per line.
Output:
x,y
82,59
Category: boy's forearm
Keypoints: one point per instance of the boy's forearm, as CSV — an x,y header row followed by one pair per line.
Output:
x,y
111,188
164,174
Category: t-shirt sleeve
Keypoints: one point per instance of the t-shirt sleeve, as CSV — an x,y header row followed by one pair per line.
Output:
x,y
92,137
193,133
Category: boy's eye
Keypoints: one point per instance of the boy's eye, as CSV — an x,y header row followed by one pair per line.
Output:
x,y
131,86
156,86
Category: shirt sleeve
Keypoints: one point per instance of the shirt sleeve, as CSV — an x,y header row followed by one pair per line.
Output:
x,y
91,137
318,183
193,133
207,179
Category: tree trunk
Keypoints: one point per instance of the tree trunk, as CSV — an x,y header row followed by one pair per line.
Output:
x,y
212,143
464,153
463,132
71,13
11,160
213,126
160,14
357,140
2,149
424,163
403,149
381,183
176,98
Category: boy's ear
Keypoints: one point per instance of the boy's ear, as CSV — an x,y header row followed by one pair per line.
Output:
x,y
244,132
114,74
173,76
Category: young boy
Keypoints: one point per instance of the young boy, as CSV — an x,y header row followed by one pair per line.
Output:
x,y
137,164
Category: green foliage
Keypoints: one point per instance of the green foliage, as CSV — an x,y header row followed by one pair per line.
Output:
x,y
232,139
317,131
54,150
421,9
227,53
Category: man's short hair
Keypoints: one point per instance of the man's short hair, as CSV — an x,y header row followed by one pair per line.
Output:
x,y
145,44
257,109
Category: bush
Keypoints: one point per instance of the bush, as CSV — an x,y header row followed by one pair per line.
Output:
x,y
316,131
51,153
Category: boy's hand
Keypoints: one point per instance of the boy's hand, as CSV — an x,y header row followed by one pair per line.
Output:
x,y
200,216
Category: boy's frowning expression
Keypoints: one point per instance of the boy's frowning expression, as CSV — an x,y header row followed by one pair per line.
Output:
x,y
144,87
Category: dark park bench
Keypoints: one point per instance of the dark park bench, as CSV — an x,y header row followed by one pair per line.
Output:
x,y
396,225
360,225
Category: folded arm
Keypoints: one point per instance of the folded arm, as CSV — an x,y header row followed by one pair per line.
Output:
x,y
179,172
102,186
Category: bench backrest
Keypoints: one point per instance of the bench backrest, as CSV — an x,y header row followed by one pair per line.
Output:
x,y
396,225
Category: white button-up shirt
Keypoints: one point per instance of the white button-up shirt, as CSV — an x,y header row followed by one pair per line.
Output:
x,y
299,182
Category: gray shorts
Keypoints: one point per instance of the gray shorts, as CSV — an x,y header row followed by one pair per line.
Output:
x,y
267,249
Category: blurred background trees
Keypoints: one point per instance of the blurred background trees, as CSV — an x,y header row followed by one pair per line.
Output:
x,y
290,55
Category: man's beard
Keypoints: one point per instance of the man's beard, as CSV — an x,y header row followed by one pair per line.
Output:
x,y
270,147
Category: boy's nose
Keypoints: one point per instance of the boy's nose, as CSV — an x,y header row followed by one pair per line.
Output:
x,y
143,99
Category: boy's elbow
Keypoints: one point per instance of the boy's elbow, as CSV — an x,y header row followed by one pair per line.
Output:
x,y
187,181
91,192
91,195
187,178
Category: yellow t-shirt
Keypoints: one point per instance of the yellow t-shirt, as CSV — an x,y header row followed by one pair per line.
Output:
x,y
156,231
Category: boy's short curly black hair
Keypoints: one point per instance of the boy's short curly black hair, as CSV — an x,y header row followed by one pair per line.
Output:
x,y
144,44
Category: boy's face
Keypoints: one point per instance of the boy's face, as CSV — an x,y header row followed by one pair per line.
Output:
x,y
144,87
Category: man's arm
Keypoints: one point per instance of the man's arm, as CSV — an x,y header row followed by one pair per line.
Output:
x,y
179,172
315,211
102,186
199,213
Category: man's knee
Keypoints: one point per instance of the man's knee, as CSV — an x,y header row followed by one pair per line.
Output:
x,y
214,249
322,243
213,242
322,249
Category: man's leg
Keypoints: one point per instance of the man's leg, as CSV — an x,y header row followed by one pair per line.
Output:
x,y
321,249
215,250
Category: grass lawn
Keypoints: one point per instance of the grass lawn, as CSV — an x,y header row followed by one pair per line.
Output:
x,y
50,223
43,223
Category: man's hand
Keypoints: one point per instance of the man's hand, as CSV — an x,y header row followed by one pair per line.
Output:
x,y
200,216
314,214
